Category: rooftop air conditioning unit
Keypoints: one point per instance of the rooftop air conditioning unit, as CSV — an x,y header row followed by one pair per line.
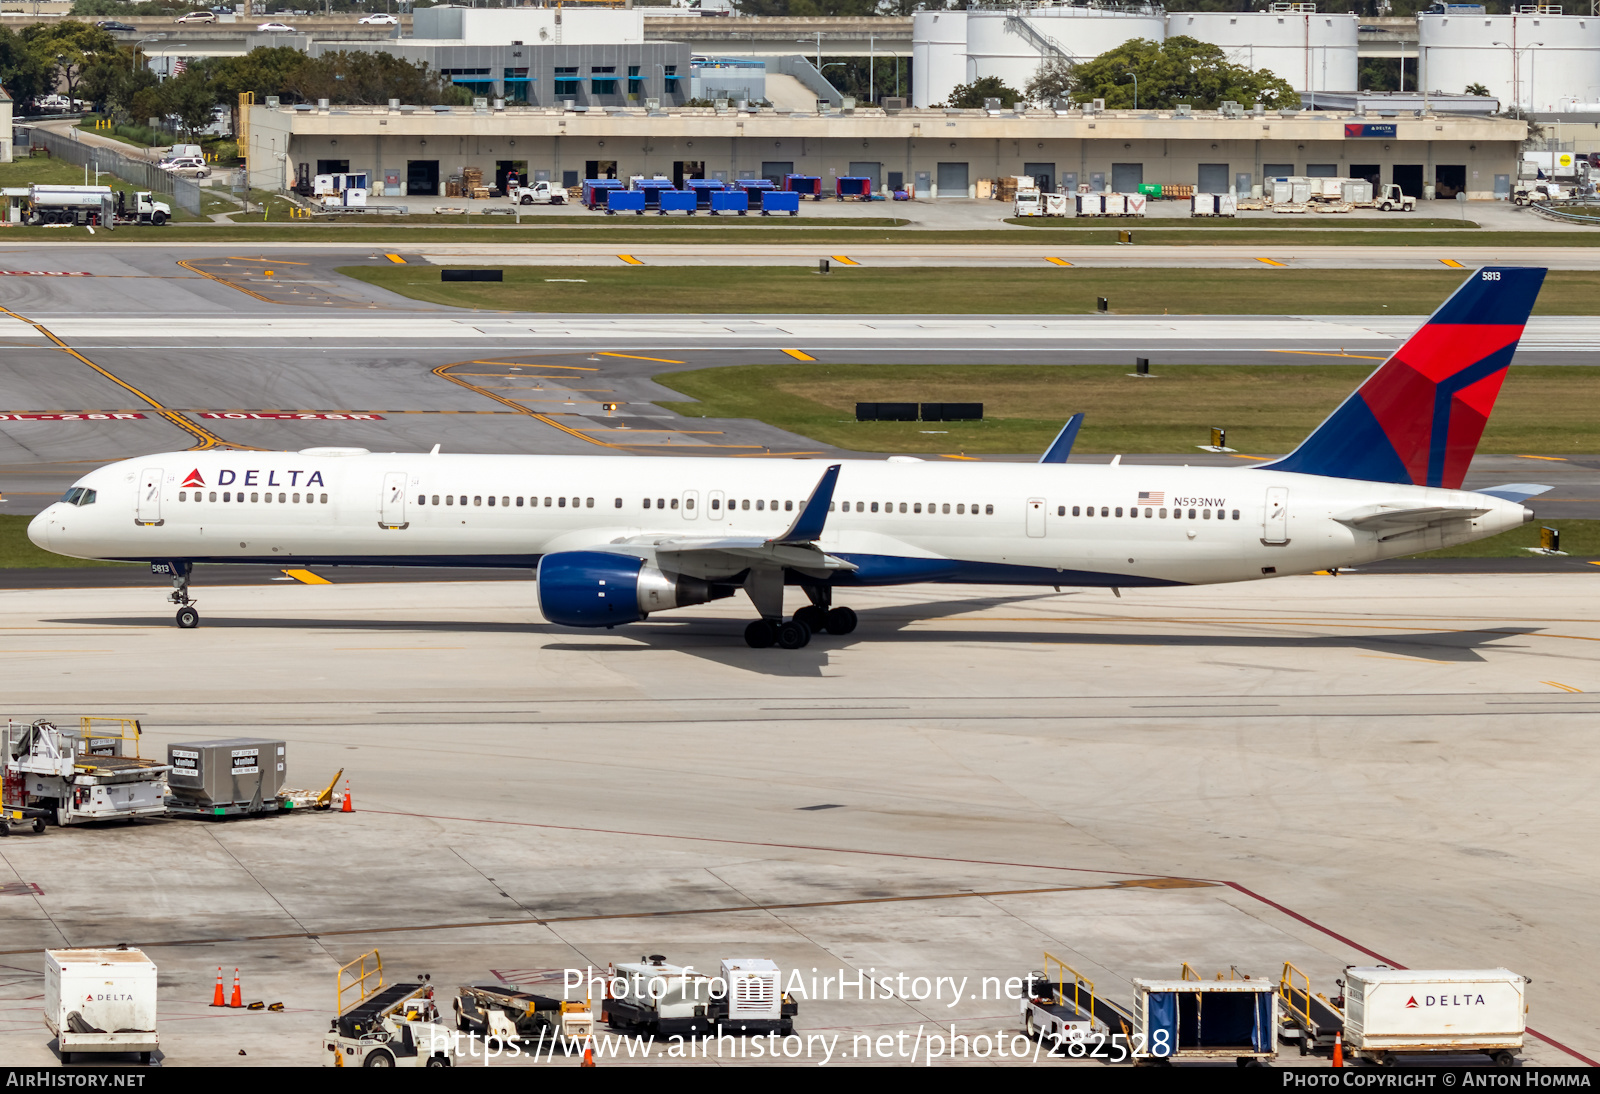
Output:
x,y
1099,105
847,104
652,105
1230,109
991,104
823,105
568,104
1183,110
322,104
394,104
893,105
272,102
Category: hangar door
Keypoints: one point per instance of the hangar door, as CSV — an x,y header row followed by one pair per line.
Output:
x,y
952,180
1126,178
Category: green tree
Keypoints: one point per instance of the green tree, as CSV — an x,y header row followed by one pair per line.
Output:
x,y
191,98
1179,70
22,73
1054,80
1477,89
976,94
68,47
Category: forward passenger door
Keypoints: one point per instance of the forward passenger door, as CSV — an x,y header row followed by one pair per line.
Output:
x,y
394,501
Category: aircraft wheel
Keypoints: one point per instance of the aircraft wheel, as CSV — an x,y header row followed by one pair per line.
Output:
x,y
760,634
841,621
188,618
813,617
793,634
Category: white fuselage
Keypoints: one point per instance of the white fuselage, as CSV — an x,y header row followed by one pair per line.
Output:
x,y
898,521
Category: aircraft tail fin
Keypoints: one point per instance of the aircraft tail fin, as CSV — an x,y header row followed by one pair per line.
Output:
x,y
1418,419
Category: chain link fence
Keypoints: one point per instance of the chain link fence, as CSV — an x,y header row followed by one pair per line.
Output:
x,y
142,174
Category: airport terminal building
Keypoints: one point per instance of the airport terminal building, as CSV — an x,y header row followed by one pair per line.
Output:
x,y
409,151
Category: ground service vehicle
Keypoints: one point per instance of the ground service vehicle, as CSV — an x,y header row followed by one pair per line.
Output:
x,y
1389,198
101,1002
505,1013
385,1025
89,205
540,193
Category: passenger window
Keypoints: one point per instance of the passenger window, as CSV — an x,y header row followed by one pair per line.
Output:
x,y
296,499
688,503
1163,513
1147,514
422,499
588,503
1119,511
1075,511
647,503
1191,514
257,497
961,509
716,503
1236,514
674,503
491,499
946,507
561,503
227,496
325,499
830,506
760,504
1206,513
463,499
861,507
988,510
504,501
1061,510
477,499
902,507
774,505
449,499
213,495
182,496
661,503
874,507
788,507
1089,512
519,501
916,507
547,503
745,504
617,506
574,503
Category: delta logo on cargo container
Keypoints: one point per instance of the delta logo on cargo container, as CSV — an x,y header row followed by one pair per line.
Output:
x,y
1468,1000
227,477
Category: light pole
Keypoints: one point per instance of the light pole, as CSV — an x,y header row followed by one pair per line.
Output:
x,y
151,38
1135,76
1516,76
803,42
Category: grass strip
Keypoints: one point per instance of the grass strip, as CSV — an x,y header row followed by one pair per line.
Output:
x,y
1266,409
18,552
926,290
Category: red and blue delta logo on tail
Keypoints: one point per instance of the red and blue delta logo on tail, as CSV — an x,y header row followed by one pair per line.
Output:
x,y
1418,419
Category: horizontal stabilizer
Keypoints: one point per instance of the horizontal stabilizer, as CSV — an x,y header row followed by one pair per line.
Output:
x,y
1061,447
1516,491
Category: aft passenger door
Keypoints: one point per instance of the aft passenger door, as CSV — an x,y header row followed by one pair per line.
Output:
x,y
394,501
1036,517
149,511
1275,523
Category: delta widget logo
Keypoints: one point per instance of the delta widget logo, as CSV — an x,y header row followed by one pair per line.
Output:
x,y
1411,1003
194,479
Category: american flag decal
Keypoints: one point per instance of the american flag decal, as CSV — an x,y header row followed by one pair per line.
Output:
x,y
1152,497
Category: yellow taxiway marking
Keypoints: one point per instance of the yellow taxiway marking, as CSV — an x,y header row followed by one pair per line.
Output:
x,y
1563,687
799,355
512,364
396,259
633,357
1057,261
1325,353
1452,263
951,456
845,261
630,260
306,577
1556,459
1272,262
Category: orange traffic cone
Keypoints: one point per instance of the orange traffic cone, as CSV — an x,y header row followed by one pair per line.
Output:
x,y
1338,1050
588,1056
216,998
347,807
238,1000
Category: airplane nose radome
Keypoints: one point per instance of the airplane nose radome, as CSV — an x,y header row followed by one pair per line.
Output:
x,y
39,532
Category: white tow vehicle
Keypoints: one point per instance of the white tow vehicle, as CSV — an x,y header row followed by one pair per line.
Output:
x,y
540,193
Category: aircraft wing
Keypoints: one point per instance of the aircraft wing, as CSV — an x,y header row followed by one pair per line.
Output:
x,y
1391,519
714,557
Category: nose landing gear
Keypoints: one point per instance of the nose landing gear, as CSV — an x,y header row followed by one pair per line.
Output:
x,y
188,616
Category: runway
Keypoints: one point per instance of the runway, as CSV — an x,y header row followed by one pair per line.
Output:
x,y
1316,770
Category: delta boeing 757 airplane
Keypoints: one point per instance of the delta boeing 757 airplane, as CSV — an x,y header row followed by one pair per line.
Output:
x,y
616,540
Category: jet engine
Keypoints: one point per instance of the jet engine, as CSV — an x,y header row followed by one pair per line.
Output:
x,y
601,589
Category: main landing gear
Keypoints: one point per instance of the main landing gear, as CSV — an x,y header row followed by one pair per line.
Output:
x,y
188,616
792,634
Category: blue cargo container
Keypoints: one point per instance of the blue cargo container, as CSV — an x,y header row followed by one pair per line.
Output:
x,y
624,201
594,191
730,201
780,201
852,186
677,201
703,189
652,191
804,185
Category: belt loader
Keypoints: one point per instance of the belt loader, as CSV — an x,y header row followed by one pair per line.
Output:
x,y
386,1025
506,1013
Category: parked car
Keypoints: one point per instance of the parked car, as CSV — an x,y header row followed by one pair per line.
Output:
x,y
276,28
192,166
379,18
197,17
113,25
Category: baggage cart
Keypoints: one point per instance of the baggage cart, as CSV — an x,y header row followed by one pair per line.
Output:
x,y
780,201
101,1002
624,201
702,189
1194,1019
730,201
676,201
852,186
807,186
1404,1012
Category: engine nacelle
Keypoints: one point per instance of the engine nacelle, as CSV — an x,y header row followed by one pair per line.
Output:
x,y
601,589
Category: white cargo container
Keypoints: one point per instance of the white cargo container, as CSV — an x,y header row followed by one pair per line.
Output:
x,y
1357,191
100,1001
1227,205
1134,205
1091,205
1403,1011
1116,205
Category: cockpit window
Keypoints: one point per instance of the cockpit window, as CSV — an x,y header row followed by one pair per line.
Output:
x,y
71,496
87,498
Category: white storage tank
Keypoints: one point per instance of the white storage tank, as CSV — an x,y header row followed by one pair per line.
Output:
x,y
1313,51
1532,62
938,55
1012,44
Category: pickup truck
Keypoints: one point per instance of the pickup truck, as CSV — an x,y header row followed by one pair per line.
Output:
x,y
540,193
